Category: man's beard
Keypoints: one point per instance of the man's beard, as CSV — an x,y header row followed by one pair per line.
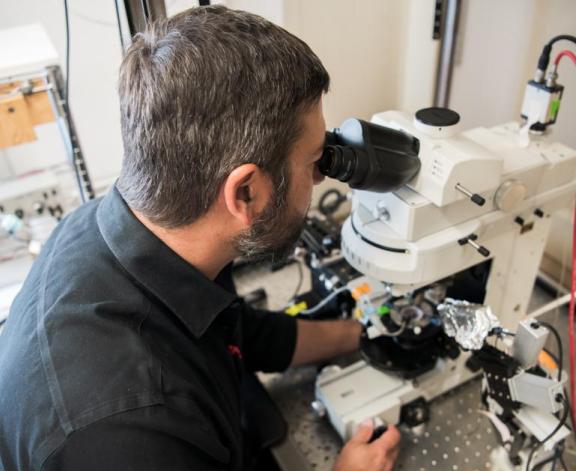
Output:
x,y
274,234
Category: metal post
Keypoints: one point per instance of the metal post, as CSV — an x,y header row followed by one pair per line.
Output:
x,y
54,83
446,59
141,12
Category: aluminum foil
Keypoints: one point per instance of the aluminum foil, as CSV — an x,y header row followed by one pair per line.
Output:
x,y
469,324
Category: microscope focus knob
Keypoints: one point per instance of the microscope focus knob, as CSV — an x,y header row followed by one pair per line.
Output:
x,y
509,195
437,122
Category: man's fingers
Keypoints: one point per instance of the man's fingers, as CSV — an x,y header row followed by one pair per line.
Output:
x,y
389,439
394,454
364,432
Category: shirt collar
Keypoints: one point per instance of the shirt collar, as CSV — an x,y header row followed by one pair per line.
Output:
x,y
190,295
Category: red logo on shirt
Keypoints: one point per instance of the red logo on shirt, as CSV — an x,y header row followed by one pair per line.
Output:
x,y
235,351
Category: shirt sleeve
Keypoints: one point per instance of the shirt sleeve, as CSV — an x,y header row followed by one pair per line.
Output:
x,y
143,439
268,339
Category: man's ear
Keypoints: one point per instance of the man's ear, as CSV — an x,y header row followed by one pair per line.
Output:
x,y
246,193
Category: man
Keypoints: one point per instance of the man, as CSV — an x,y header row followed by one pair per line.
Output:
x,y
126,347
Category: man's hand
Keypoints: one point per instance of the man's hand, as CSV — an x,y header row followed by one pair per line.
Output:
x,y
379,455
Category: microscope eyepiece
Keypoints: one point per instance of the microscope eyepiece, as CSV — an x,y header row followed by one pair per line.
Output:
x,y
339,162
367,156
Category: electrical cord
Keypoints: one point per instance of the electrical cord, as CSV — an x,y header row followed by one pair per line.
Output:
x,y
397,332
556,335
554,357
571,340
326,207
300,281
326,300
500,331
557,456
562,37
67,17
67,104
565,53
544,58
566,409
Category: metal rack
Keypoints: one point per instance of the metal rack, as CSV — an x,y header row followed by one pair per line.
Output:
x,y
53,84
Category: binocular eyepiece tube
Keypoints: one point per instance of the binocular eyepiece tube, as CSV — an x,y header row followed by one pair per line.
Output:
x,y
370,157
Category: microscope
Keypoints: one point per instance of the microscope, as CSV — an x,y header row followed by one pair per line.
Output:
x,y
444,241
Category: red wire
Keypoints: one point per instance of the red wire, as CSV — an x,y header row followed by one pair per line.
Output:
x,y
565,53
572,56
571,325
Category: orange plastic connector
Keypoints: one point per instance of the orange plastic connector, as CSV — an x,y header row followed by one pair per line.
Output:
x,y
547,361
360,291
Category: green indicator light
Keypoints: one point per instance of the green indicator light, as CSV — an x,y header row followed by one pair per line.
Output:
x,y
554,107
383,310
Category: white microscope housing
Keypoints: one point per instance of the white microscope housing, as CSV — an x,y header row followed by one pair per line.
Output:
x,y
419,234
482,195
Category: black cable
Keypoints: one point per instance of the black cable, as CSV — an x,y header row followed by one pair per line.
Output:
x,y
300,281
570,413
554,462
554,357
567,37
119,22
562,422
556,335
544,58
552,459
327,208
565,411
67,86
540,465
67,104
500,331
530,456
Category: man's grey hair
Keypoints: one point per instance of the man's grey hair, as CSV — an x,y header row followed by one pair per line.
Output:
x,y
202,93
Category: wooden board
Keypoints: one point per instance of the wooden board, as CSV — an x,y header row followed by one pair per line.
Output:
x,y
39,106
16,125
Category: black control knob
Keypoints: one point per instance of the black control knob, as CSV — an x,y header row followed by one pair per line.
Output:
x,y
471,240
378,432
438,117
38,207
474,197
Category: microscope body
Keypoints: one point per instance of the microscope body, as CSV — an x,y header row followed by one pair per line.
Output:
x,y
429,230
481,201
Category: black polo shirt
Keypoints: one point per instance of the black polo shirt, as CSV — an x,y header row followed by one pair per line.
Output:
x,y
118,354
